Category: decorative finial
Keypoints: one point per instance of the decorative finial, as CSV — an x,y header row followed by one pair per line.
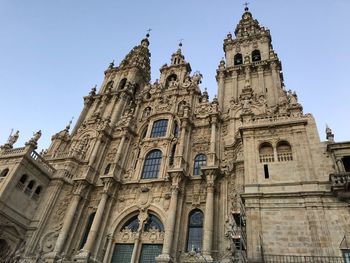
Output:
x,y
329,134
69,124
246,6
111,65
148,32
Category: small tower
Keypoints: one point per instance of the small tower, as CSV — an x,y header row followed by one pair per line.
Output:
x,y
250,61
176,72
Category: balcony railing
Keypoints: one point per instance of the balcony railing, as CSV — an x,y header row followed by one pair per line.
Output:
x,y
340,181
284,157
267,158
301,259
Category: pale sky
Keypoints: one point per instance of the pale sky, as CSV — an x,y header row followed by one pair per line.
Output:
x,y
53,52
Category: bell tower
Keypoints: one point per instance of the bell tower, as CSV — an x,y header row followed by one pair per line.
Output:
x,y
250,66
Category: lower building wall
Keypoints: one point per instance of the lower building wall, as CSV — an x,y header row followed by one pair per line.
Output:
x,y
310,225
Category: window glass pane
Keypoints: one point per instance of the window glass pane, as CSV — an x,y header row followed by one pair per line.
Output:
x,y
159,128
151,165
122,253
153,223
149,252
199,161
132,224
195,231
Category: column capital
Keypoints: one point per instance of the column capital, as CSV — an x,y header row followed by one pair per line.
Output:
x,y
210,175
108,185
80,187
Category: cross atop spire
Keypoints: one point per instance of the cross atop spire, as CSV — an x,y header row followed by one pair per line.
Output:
x,y
246,6
148,32
180,42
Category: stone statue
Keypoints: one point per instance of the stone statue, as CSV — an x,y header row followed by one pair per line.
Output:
x,y
293,98
13,138
36,136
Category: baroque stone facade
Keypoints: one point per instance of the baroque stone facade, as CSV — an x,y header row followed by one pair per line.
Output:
x,y
155,172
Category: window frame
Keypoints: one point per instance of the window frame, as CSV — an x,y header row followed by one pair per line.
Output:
x,y
154,163
190,226
159,129
198,164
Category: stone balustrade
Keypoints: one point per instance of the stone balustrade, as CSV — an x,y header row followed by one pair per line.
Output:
x,y
266,158
41,162
340,181
13,152
284,157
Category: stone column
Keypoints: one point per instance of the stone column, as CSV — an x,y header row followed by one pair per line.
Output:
x,y
69,217
117,111
180,148
212,150
276,81
142,218
108,183
261,80
171,218
221,89
210,175
107,254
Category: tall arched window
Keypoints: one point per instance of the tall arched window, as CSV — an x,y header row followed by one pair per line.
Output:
x,y
159,128
23,179
238,59
122,84
151,165
176,129
87,229
31,185
108,167
199,161
4,172
256,55
172,155
195,230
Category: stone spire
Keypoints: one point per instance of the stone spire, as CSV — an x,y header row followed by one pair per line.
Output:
x,y
139,57
178,58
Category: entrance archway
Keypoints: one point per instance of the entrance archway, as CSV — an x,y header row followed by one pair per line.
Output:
x,y
138,239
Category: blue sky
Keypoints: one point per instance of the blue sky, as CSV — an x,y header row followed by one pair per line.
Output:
x,y
53,52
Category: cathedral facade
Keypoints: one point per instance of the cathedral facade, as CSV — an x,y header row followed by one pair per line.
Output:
x,y
156,172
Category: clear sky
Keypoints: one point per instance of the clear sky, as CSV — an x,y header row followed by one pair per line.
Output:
x,y
53,52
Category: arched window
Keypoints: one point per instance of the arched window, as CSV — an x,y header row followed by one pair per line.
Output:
x,y
170,80
284,151
31,185
238,59
132,224
87,230
4,172
176,129
109,85
159,128
266,153
23,179
256,55
108,167
199,161
151,165
195,230
122,84
172,155
38,190
153,222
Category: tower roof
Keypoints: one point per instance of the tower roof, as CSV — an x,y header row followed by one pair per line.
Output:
x,y
247,26
139,57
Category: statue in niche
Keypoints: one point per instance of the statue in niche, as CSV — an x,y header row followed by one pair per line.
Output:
x,y
146,112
